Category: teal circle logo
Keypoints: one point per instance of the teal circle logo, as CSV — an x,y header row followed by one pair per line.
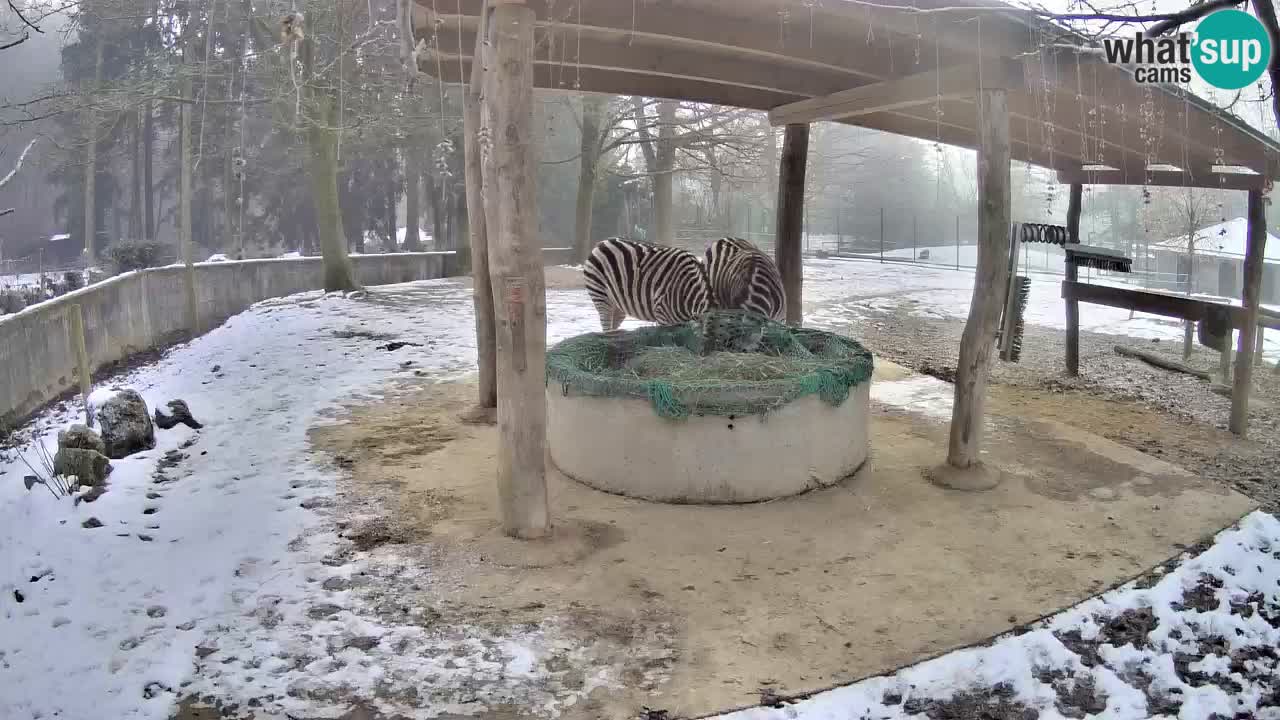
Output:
x,y
1231,49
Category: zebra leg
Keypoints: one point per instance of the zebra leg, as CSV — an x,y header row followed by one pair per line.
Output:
x,y
610,316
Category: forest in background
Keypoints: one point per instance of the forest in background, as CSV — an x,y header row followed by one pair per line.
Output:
x,y
295,144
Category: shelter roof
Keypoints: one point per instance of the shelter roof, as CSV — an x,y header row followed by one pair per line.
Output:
x,y
1070,111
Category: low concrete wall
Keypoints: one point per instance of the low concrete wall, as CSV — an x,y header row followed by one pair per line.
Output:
x,y
147,309
620,445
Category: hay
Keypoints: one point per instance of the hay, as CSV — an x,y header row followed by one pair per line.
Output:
x,y
727,363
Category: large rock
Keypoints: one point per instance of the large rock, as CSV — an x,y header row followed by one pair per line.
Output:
x,y
81,437
90,467
126,425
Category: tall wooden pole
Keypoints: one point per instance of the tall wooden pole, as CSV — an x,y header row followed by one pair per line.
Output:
x,y
1073,306
481,288
990,281
790,220
1253,257
515,266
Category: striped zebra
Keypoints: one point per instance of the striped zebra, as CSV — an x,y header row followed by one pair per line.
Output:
x,y
654,283
744,278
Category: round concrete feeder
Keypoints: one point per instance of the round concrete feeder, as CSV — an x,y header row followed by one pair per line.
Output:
x,y
619,445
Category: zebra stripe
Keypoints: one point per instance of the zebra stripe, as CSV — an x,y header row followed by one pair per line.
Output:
x,y
654,283
744,278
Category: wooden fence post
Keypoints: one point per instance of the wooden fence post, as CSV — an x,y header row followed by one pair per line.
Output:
x,y
790,220
963,468
1253,260
75,335
515,266
1073,306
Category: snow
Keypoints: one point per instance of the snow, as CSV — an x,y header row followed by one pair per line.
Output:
x,y
926,395
1224,239
218,257
229,561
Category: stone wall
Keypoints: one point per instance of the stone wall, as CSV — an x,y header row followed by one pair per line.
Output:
x,y
147,309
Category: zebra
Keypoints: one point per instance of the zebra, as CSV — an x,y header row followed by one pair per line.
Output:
x,y
654,283
744,278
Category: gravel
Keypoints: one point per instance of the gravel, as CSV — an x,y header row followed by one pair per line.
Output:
x,y
1194,435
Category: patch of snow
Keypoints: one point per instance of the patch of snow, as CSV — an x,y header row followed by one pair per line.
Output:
x,y
100,395
218,257
923,394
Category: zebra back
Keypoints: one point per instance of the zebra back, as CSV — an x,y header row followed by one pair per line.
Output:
x,y
651,282
744,278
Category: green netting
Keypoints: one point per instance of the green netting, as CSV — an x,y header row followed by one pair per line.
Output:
x,y
726,363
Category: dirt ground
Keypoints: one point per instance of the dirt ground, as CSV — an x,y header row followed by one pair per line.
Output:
x,y
701,609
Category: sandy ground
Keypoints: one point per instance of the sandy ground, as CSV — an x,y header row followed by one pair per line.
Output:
x,y
698,608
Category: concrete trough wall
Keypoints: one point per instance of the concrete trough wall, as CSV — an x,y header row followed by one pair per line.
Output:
x,y
620,445
147,309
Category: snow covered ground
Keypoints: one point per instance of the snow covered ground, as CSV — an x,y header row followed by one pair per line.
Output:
x,y
848,288
214,545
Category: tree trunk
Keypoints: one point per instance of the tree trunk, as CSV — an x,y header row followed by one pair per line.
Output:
x,y
790,220
664,231
229,188
184,208
593,109
989,287
135,178
148,192
477,226
322,142
412,212
515,258
91,170
439,231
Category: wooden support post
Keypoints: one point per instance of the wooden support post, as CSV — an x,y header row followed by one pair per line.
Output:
x,y
1258,346
481,286
1225,357
790,220
881,235
990,280
75,335
1073,306
1253,257
957,242
515,266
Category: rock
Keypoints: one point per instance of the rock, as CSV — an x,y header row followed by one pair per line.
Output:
x,y
90,467
126,425
181,414
91,523
81,437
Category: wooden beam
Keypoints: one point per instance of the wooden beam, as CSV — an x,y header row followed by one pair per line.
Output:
x,y
967,420
1155,303
790,218
477,230
1164,178
919,89
515,266
1253,259
1074,204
